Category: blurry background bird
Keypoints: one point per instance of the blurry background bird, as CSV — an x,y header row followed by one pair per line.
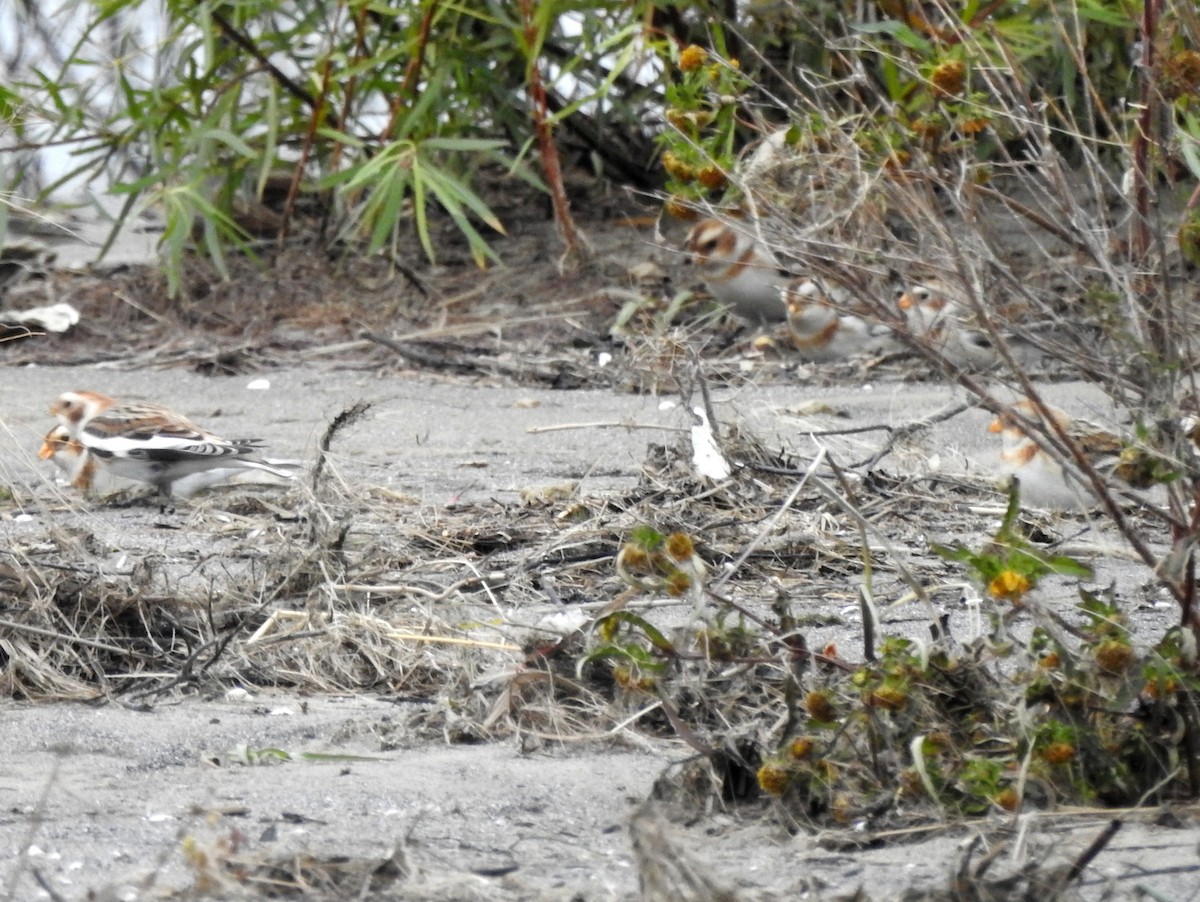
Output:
x,y
820,330
1044,482
737,270
934,313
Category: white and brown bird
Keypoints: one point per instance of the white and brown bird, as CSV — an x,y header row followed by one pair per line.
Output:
x,y
821,329
75,408
70,456
1044,482
933,312
737,270
148,443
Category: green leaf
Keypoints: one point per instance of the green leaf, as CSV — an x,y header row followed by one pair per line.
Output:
x,y
632,653
1068,566
454,195
1189,146
898,30
419,210
657,639
646,537
229,139
475,145
959,553
337,756
1011,512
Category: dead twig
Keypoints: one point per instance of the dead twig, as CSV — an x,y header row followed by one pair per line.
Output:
x,y
346,418
444,359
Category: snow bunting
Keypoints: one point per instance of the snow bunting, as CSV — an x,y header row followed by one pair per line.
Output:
x,y
736,270
148,443
1044,482
932,313
820,331
68,455
75,408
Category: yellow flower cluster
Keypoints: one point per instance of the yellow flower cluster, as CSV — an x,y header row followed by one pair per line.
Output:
x,y
1010,585
949,78
692,57
1181,75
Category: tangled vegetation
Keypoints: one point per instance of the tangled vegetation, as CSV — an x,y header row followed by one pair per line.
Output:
x,y
898,137
234,121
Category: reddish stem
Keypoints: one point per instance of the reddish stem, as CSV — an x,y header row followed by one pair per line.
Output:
x,y
1144,135
415,64
310,137
547,150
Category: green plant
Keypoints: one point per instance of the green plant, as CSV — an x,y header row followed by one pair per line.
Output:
x,y
702,103
1009,567
374,116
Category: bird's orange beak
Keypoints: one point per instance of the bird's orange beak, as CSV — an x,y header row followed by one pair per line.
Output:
x,y
47,450
905,301
995,425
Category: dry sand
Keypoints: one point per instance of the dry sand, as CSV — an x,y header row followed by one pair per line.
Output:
x,y
100,799
106,800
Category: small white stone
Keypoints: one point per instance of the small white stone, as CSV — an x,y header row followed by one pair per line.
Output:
x,y
564,622
258,385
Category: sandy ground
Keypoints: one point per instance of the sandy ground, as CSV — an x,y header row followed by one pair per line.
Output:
x,y
106,800
101,799
194,795
105,797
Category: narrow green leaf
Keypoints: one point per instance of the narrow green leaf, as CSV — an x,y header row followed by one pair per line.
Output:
x,y
959,553
657,639
454,195
422,220
898,30
1067,566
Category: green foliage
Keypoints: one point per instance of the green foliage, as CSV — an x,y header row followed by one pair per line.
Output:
x,y
644,315
407,171
993,726
702,105
651,561
1009,566
637,656
382,116
378,115
383,113
943,83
